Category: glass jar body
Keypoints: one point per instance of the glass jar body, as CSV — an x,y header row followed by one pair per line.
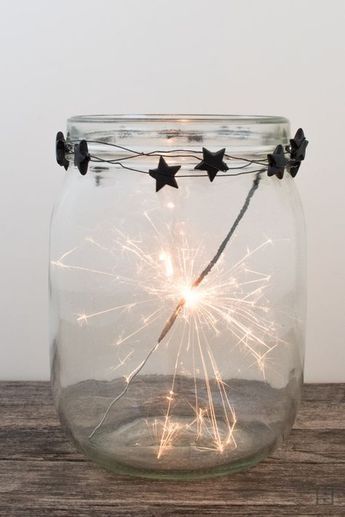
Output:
x,y
215,390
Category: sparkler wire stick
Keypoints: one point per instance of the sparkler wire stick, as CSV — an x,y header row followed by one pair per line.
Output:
x,y
182,302
124,391
214,260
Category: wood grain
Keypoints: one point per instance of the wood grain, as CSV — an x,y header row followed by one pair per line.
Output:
x,y
42,474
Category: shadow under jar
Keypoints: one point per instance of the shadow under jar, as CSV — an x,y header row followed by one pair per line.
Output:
x,y
177,316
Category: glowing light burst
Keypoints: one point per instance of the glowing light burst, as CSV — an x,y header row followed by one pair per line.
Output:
x,y
229,306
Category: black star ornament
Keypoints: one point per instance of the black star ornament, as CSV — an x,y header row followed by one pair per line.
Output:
x,y
61,150
212,163
293,167
298,146
164,174
81,156
277,162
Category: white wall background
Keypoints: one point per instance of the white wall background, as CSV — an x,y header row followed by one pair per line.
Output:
x,y
185,56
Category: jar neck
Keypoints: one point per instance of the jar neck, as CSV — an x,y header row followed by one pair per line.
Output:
x,y
245,136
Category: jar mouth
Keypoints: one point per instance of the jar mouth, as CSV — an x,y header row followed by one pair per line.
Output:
x,y
244,135
178,117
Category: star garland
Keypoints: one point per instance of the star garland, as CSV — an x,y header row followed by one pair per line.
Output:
x,y
280,160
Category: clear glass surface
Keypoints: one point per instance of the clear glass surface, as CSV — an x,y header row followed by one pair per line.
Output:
x,y
220,390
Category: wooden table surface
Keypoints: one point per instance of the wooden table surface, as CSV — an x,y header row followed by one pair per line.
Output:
x,y
41,473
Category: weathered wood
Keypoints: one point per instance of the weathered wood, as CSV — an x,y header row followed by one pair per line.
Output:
x,y
42,474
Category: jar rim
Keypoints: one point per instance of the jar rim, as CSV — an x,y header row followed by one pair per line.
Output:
x,y
179,117
254,135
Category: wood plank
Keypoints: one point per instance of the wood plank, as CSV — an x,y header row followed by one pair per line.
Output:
x,y
296,482
83,509
68,484
41,473
30,404
32,443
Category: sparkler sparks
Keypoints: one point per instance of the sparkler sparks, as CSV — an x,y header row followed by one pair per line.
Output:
x,y
192,298
225,310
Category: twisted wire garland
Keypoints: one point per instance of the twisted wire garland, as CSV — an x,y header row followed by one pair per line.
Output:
x,y
172,153
275,163
97,160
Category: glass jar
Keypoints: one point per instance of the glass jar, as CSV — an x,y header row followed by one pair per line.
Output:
x,y
177,315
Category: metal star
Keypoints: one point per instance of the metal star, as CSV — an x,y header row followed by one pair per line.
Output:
x,y
164,174
61,150
293,167
298,145
81,156
277,162
212,162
